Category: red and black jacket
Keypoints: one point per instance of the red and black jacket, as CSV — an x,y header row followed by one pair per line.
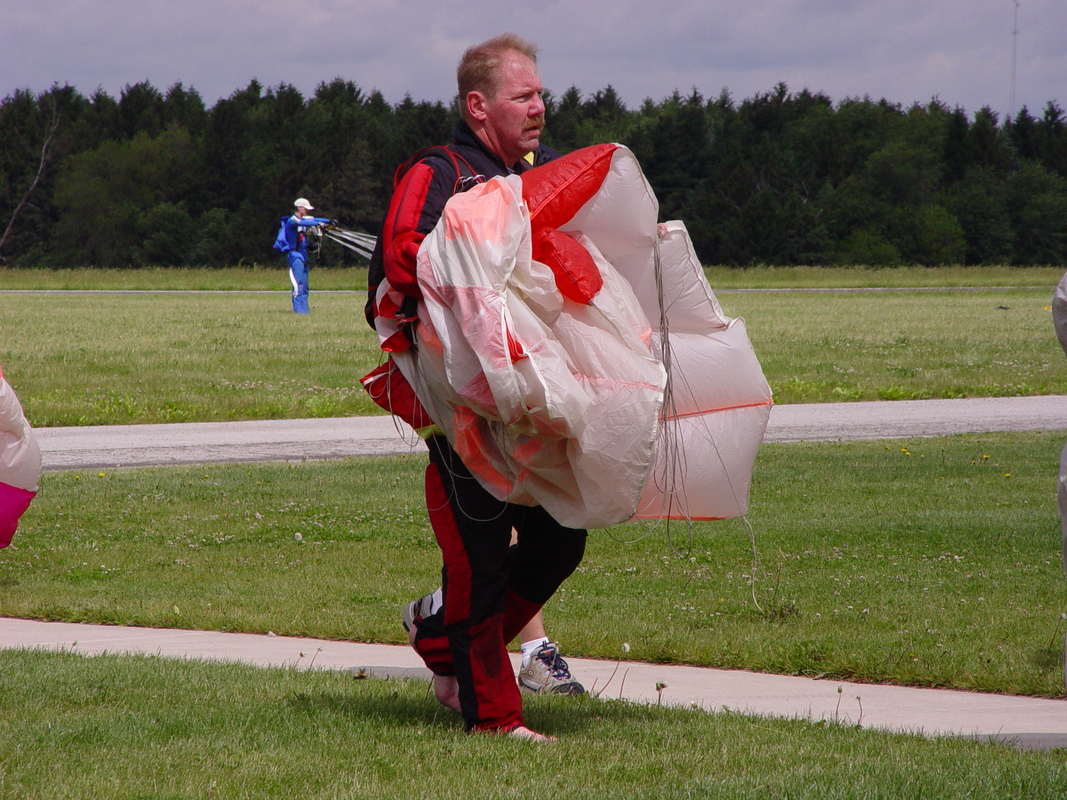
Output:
x,y
421,187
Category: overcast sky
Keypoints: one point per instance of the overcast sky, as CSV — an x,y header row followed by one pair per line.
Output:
x,y
960,51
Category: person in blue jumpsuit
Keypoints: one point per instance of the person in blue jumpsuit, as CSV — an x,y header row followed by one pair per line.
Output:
x,y
292,240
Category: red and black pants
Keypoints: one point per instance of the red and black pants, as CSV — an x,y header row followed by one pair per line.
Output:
x,y
491,590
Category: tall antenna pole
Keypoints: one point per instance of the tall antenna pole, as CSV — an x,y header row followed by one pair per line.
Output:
x,y
1014,53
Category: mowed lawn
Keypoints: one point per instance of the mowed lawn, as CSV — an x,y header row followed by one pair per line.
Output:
x,y
899,513
932,562
126,356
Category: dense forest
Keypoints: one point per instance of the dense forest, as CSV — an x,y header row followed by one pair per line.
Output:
x,y
158,178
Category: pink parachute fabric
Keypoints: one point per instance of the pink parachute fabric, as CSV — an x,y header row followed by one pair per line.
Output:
x,y
548,300
20,462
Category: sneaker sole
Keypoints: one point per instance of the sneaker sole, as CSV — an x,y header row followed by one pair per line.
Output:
x,y
408,617
572,688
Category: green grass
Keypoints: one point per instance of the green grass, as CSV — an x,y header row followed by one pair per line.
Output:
x,y
817,347
930,562
272,276
786,278
104,358
259,278
143,727
113,358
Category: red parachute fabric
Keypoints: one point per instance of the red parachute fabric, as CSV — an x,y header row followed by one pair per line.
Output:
x,y
553,306
554,193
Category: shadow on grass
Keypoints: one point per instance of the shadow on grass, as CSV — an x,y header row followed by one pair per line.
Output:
x,y
555,715
403,709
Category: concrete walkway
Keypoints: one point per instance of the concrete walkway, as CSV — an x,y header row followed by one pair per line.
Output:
x,y
1022,721
1025,722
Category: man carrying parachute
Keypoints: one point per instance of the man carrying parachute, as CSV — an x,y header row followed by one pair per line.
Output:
x,y
489,595
566,360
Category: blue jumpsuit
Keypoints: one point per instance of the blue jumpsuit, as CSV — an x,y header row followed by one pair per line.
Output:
x,y
293,240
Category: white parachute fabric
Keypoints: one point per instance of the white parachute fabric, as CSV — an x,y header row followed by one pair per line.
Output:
x,y
718,402
549,373
547,401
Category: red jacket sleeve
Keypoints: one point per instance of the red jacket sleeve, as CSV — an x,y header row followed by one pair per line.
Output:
x,y
416,205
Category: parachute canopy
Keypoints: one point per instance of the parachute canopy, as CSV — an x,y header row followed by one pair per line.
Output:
x,y
573,353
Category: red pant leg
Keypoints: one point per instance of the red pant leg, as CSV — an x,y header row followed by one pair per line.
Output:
x,y
489,594
473,530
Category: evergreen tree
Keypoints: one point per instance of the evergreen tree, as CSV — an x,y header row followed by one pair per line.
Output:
x,y
781,177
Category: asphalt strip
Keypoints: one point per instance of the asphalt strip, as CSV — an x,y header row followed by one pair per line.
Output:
x,y
115,446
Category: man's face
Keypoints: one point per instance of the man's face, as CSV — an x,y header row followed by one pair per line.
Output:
x,y
514,115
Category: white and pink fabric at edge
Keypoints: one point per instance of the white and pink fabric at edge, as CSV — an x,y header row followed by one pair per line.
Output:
x,y
20,462
565,369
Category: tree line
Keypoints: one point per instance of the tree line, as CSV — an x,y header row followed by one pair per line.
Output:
x,y
781,178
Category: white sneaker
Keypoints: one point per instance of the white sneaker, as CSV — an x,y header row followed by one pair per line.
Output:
x,y
548,672
413,612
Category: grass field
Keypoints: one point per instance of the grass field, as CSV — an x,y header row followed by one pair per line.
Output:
x,y
111,727
931,562
273,278
925,562
114,358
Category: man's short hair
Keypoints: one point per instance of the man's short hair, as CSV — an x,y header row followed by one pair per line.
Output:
x,y
479,67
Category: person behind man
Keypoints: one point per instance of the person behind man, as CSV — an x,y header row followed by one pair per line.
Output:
x,y
292,241
490,590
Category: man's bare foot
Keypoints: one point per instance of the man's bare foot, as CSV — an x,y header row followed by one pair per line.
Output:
x,y
446,690
522,732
